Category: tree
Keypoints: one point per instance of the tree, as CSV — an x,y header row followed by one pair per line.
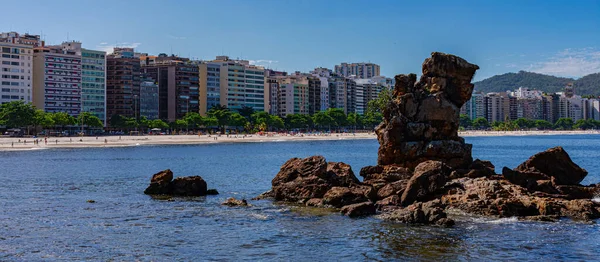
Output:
x,y
465,121
131,123
87,119
354,120
276,122
144,123
481,123
584,124
524,123
297,121
323,120
379,104
543,124
180,124
338,116
246,111
237,120
564,124
372,119
63,119
221,114
16,114
43,119
157,123
117,121
194,119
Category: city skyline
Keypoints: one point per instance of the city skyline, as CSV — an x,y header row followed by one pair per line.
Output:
x,y
501,37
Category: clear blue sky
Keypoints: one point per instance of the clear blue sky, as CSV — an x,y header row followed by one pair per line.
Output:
x,y
552,37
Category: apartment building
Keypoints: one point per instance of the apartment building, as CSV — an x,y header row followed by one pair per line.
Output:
x,y
359,70
16,66
240,84
57,75
93,83
123,75
178,84
149,99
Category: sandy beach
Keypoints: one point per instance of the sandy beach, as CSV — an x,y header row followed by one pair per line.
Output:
x,y
14,144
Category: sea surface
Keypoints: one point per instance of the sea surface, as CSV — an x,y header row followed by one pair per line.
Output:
x,y
44,213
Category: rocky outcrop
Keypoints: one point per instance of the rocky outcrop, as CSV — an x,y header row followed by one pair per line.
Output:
x,y
424,168
421,122
162,183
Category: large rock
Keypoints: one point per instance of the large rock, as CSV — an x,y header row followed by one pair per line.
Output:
x,y
162,183
189,186
429,177
302,179
343,196
421,122
428,213
359,209
555,162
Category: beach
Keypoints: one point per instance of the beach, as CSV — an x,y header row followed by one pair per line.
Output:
x,y
15,143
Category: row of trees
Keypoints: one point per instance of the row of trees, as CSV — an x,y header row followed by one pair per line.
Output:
x,y
18,114
523,124
253,121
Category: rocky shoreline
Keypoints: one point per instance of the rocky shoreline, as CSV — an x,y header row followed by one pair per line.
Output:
x,y
424,167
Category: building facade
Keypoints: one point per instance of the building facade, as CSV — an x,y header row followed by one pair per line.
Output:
x,y
123,75
360,70
16,66
149,99
240,84
57,78
93,83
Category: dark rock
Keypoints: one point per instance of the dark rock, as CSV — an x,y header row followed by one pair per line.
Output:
x,y
343,196
359,209
91,201
429,213
391,201
429,177
555,162
212,192
526,179
235,202
160,183
314,202
265,195
395,188
576,192
385,174
164,176
189,186
302,179
421,122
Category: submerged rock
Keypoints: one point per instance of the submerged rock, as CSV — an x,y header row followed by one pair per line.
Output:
x,y
231,202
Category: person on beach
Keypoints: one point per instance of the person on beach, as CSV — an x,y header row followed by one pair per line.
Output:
x,y
12,144
45,140
105,141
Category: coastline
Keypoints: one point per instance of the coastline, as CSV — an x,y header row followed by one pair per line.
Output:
x,y
13,144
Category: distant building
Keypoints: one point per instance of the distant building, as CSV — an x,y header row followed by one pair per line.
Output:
x,y
93,83
338,93
57,78
123,74
149,99
360,70
16,63
178,84
240,84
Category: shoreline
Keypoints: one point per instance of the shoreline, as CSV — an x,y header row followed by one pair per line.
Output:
x,y
16,144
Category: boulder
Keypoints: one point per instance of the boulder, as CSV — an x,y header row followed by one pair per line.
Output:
x,y
342,196
164,176
160,183
231,202
391,202
429,177
359,209
302,179
429,213
555,162
189,186
526,179
212,192
392,189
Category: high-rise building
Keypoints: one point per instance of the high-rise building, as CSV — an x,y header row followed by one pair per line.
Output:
x,y
93,83
149,98
240,84
360,70
370,89
272,90
293,95
338,93
16,65
123,74
57,78
178,84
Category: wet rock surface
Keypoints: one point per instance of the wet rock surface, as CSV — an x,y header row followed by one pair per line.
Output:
x,y
232,202
162,183
424,168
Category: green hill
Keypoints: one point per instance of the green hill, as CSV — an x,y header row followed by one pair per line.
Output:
x,y
587,85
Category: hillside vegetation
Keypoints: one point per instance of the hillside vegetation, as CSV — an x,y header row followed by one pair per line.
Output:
x,y
587,85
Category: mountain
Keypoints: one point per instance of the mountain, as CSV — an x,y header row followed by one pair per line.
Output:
x,y
587,85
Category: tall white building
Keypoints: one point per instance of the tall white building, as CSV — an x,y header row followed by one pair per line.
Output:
x,y
16,66
360,70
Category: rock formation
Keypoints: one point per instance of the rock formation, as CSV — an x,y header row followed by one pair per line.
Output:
x,y
233,202
424,167
162,183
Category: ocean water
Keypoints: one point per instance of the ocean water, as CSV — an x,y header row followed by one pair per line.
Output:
x,y
44,213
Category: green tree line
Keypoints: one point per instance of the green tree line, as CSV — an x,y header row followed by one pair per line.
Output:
x,y
525,124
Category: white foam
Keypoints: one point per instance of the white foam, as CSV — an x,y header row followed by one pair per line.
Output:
x,y
505,220
596,199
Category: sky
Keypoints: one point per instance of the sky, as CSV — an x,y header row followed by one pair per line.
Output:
x,y
560,38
